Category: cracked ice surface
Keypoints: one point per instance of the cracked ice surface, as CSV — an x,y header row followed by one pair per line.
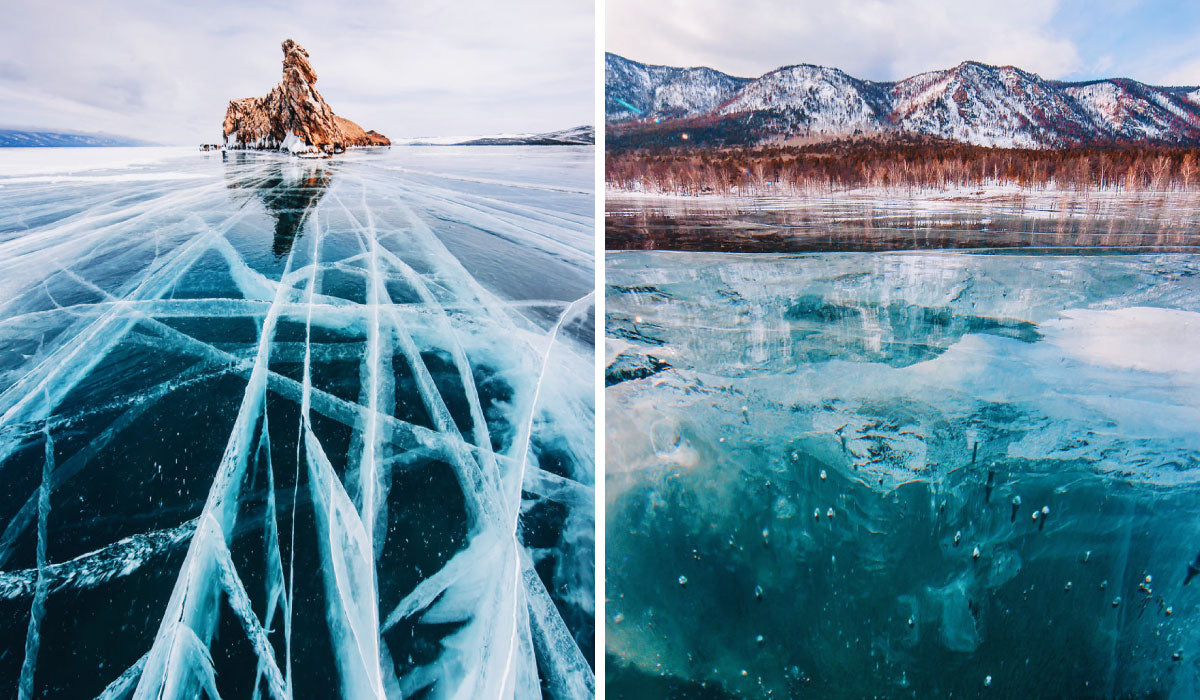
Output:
x,y
278,429
823,472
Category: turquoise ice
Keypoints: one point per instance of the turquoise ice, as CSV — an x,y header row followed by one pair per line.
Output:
x,y
903,474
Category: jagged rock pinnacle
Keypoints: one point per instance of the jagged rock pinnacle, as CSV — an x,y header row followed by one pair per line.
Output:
x,y
293,116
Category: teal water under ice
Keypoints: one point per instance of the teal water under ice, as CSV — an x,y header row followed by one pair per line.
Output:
x,y
273,428
902,474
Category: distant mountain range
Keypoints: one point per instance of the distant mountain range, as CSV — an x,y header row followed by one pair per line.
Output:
x,y
971,102
576,136
28,138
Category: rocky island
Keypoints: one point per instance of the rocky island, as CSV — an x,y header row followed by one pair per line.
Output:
x,y
293,116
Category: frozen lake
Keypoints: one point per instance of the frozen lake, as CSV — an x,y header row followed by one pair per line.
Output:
x,y
926,473
282,428
1000,218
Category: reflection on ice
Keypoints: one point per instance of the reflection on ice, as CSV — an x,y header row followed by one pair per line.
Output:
x,y
287,194
281,429
903,474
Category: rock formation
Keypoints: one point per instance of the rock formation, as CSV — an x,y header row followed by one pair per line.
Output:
x,y
293,116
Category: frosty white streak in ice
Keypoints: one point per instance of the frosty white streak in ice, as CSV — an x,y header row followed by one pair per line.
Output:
x,y
32,640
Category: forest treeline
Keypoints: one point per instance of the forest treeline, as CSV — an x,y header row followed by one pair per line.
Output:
x,y
900,163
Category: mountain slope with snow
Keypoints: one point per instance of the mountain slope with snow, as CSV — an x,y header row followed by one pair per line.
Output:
x,y
812,99
636,90
972,103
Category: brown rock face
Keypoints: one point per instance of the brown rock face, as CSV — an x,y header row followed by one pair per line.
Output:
x,y
293,116
357,136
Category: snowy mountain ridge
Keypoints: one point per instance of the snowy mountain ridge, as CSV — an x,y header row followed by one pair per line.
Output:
x,y
972,102
37,138
584,135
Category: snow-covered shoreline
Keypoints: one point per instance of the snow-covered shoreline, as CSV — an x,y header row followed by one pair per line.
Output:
x,y
1050,199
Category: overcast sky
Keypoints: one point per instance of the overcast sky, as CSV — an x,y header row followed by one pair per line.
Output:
x,y
165,70
1155,41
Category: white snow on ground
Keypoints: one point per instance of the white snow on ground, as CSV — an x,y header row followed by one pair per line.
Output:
x,y
786,196
16,162
450,140
97,177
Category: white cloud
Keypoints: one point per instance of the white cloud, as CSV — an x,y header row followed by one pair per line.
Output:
x,y
166,70
1187,72
870,39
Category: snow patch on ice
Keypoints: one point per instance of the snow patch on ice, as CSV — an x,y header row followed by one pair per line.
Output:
x,y
1163,341
17,162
